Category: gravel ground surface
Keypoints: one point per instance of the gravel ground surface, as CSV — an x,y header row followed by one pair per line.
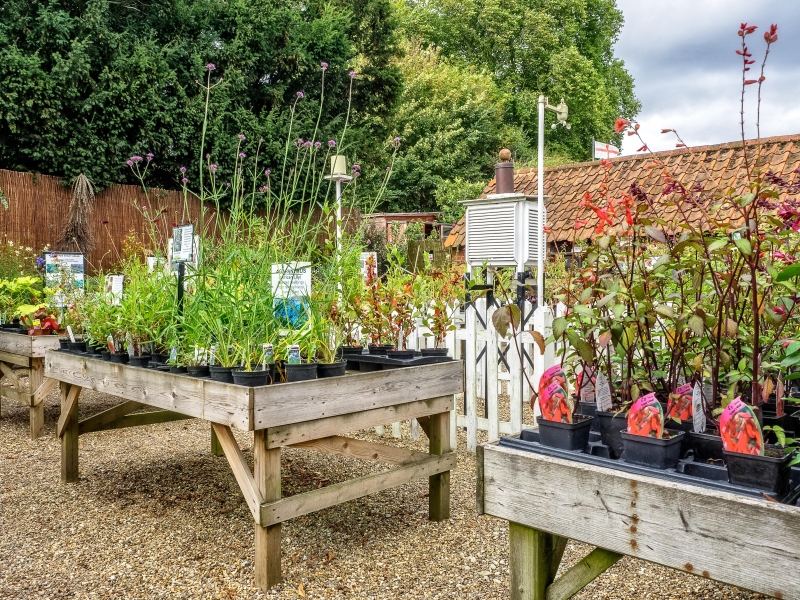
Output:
x,y
155,515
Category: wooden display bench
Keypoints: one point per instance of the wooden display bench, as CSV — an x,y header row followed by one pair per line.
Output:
x,y
26,351
308,414
746,542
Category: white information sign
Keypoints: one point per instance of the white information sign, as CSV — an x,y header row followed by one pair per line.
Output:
x,y
603,393
65,272
183,243
291,280
113,288
698,414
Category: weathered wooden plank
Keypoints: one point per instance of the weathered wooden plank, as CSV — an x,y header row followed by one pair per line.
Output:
x,y
439,483
471,390
676,525
14,394
286,435
35,378
505,427
14,343
69,433
241,471
308,502
492,412
40,344
68,410
529,563
44,388
267,467
154,417
222,403
581,574
19,360
8,372
99,421
479,482
353,448
276,405
216,447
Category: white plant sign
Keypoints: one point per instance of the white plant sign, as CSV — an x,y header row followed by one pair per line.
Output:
x,y
113,288
64,271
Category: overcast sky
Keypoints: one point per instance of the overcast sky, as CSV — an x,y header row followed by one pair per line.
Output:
x,y
681,54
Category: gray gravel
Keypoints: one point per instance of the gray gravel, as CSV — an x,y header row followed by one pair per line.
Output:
x,y
155,515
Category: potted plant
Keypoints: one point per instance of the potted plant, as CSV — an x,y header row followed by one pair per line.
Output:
x,y
559,426
646,440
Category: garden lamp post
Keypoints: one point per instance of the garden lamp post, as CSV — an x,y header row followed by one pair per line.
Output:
x,y
338,174
562,112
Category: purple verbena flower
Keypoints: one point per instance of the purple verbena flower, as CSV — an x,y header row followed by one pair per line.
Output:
x,y
136,158
129,162
242,155
352,74
211,66
356,167
213,167
331,143
324,66
300,94
263,188
182,169
241,136
184,181
317,144
150,156
144,208
307,144
267,172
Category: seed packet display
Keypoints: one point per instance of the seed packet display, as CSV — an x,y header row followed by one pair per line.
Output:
x,y
680,403
646,417
556,405
739,429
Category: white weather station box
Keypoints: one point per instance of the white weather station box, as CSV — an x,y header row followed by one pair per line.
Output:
x,y
501,230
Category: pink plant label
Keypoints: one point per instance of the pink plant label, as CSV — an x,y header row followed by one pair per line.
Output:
x,y
554,374
779,392
646,417
739,429
555,404
680,403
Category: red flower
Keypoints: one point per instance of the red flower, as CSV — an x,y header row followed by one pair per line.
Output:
x,y
620,125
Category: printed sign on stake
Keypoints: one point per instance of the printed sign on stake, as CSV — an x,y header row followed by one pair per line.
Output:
x,y
698,414
603,393
64,272
646,417
588,379
739,429
291,288
113,288
183,243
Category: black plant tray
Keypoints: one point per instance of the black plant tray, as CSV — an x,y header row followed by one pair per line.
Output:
x,y
687,471
379,362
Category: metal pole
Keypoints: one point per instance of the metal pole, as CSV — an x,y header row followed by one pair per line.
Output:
x,y
339,232
540,207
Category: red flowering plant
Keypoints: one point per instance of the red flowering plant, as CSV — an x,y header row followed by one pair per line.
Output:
x,y
440,289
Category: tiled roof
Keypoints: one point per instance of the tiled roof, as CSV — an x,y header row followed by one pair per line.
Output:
x,y
716,167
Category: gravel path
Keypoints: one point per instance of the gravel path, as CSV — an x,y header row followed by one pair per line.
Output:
x,y
155,515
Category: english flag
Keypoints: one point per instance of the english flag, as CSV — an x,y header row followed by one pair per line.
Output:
x,y
602,150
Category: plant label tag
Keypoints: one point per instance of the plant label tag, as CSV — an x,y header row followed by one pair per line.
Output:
x,y
268,353
113,289
173,355
698,414
646,417
555,404
293,357
779,393
554,374
70,334
603,393
212,356
111,346
739,429
680,403
183,243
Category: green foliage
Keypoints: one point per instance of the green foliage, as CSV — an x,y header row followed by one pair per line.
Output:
x,y
87,83
450,193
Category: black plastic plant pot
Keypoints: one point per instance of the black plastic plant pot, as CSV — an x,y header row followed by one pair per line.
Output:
x,y
140,361
301,372
251,378
331,370
796,422
105,355
770,473
177,370
156,358
610,424
706,446
566,436
197,371
785,421
222,374
120,358
94,349
380,350
653,452
400,353
77,346
434,351
347,350
63,344
588,409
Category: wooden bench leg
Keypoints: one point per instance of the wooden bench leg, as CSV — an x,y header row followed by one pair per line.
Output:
x,y
530,562
35,379
439,485
216,447
69,434
267,474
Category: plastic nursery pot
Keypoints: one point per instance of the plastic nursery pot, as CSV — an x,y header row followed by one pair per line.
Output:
x,y
177,370
63,344
796,422
105,355
380,350
140,361
434,351
653,452
404,354
354,351
92,349
77,346
121,358
332,369
566,436
251,378
706,447
588,409
610,424
301,372
156,358
223,374
197,371
347,350
770,473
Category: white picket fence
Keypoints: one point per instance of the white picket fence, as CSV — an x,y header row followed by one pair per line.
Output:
x,y
491,360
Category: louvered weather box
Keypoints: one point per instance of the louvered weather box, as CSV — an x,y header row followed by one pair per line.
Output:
x,y
501,230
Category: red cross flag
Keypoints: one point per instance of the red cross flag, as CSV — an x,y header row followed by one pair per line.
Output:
x,y
602,150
